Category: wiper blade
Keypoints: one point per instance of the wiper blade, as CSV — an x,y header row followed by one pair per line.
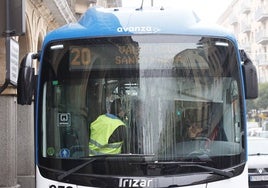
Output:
x,y
67,173
93,158
257,154
180,164
226,174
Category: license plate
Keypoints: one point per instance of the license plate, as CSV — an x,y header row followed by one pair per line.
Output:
x,y
259,178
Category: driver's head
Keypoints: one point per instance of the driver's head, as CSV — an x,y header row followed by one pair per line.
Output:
x,y
117,109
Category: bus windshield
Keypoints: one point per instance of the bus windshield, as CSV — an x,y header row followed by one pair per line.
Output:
x,y
181,98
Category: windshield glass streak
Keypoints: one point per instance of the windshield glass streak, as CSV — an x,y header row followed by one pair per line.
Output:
x,y
168,99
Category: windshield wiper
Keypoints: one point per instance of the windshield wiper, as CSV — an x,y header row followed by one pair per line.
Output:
x,y
223,173
256,154
94,158
226,174
180,164
67,173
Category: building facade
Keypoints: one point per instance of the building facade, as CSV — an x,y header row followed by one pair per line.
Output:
x,y
248,20
16,121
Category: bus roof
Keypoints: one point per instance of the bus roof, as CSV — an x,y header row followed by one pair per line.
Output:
x,y
99,22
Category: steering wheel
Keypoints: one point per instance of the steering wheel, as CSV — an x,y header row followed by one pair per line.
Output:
x,y
202,138
201,151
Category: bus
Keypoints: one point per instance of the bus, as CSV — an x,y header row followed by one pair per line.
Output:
x,y
182,84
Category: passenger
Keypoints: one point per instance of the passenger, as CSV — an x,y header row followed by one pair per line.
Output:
x,y
108,131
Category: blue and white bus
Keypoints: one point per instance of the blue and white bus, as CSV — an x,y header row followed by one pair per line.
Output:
x,y
181,83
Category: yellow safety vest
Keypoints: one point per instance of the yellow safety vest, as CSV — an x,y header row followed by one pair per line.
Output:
x,y
100,132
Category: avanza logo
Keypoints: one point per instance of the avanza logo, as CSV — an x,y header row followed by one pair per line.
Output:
x,y
127,182
138,29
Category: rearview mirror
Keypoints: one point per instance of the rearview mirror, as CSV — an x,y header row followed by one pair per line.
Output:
x,y
250,77
26,80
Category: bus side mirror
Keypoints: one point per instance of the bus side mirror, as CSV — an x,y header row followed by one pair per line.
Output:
x,y
250,77
26,80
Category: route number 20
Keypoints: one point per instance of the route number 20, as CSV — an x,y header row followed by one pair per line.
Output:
x,y
80,56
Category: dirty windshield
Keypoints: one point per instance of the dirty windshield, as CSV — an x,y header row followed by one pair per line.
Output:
x,y
167,97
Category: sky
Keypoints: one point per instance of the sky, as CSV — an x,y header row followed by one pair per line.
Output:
x,y
207,10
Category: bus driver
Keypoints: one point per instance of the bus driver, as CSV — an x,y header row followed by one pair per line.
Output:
x,y
108,131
